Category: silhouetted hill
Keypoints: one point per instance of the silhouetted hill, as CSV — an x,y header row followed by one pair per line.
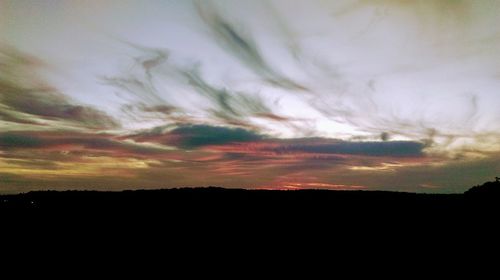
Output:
x,y
488,190
225,213
219,203
213,199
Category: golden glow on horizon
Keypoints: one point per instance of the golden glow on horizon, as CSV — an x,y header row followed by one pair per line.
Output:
x,y
306,186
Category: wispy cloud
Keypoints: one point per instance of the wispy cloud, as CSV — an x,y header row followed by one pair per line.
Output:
x,y
27,99
70,141
240,44
224,105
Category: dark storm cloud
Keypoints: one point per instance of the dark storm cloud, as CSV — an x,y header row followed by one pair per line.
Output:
x,y
202,135
233,140
389,149
19,140
194,136
25,99
241,46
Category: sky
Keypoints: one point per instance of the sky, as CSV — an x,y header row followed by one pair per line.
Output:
x,y
399,95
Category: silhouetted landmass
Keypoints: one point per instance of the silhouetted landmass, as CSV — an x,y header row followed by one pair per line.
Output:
x,y
213,201
488,190
212,216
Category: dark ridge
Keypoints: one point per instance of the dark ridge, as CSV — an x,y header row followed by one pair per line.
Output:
x,y
487,190
214,199
222,214
212,206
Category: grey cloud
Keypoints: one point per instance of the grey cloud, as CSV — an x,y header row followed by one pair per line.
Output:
x,y
162,109
14,117
137,86
242,46
152,111
230,106
201,135
139,82
453,177
25,99
332,146
74,141
194,136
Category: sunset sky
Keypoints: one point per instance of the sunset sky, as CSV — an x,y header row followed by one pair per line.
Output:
x,y
399,95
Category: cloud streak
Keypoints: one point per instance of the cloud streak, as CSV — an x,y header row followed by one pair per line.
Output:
x,y
242,47
239,140
70,141
26,99
225,105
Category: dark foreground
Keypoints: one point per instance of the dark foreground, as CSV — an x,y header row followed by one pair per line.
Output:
x,y
228,227
214,199
216,202
212,216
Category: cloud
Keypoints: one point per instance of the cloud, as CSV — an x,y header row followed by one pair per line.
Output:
x,y
195,136
240,140
453,176
26,99
231,107
225,105
74,142
19,140
14,117
141,83
154,112
226,156
242,46
332,146
162,109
